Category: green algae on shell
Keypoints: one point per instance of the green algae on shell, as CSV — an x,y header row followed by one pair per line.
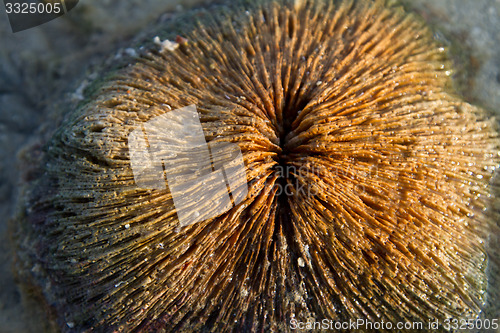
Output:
x,y
349,100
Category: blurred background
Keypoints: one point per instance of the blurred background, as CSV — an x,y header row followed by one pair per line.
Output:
x,y
47,65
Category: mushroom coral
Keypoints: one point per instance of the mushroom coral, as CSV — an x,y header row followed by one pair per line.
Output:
x,y
368,181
